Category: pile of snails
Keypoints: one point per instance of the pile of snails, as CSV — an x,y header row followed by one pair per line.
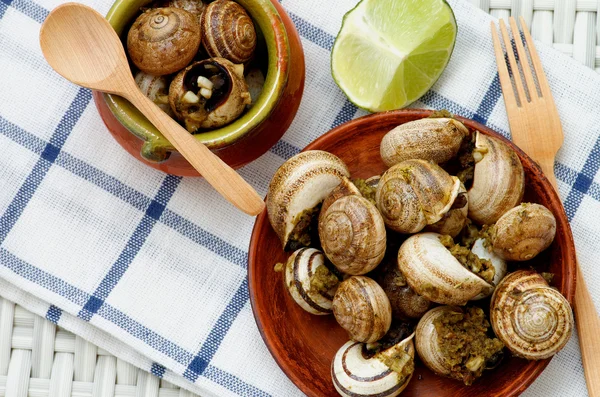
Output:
x,y
196,60
419,244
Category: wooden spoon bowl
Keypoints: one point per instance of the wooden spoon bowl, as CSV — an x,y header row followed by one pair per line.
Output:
x,y
304,344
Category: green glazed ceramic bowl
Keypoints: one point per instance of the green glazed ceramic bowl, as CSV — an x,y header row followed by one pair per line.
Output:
x,y
272,52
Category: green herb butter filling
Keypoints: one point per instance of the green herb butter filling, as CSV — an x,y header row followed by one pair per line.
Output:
x,y
481,267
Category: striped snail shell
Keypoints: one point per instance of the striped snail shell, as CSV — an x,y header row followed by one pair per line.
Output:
x,y
357,373
228,32
309,282
353,235
415,193
299,185
361,307
434,273
498,181
523,232
433,139
484,252
533,320
163,40
455,219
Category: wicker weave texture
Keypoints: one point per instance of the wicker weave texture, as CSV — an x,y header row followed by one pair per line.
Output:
x,y
571,26
39,359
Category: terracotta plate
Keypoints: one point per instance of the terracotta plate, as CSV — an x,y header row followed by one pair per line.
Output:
x,y
303,344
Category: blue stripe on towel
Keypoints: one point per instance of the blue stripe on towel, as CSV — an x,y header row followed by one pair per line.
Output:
x,y
29,8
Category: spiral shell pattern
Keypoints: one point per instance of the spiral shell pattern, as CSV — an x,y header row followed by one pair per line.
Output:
x,y
299,184
163,40
354,374
523,232
498,182
415,193
433,139
228,31
353,235
533,320
299,270
361,307
432,271
345,188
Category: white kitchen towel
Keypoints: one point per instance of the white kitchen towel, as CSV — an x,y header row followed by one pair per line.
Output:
x,y
153,267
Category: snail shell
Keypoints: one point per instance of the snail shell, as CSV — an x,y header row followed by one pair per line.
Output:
x,y
345,188
433,139
361,307
355,374
163,40
533,320
498,182
353,235
455,219
426,340
156,88
499,264
300,184
228,100
415,193
300,269
523,232
195,7
228,31
432,271
405,302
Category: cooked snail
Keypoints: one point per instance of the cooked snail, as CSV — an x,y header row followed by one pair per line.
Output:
x,y
208,94
455,219
163,40
433,139
352,235
195,7
498,182
483,251
156,88
434,273
357,372
452,342
228,31
345,188
533,320
297,188
361,307
309,281
523,232
415,193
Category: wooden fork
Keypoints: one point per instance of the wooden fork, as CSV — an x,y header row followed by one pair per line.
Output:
x,y
535,128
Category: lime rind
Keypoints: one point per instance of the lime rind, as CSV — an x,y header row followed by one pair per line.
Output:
x,y
378,74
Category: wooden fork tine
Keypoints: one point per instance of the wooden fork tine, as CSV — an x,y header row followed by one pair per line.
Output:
x,y
507,89
513,63
537,64
523,58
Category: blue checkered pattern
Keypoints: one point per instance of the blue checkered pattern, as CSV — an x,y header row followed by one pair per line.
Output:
x,y
155,212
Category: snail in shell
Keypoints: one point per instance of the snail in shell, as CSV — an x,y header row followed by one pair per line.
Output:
x,y
433,139
296,190
352,234
455,219
533,320
433,272
356,371
485,251
310,283
361,307
345,188
228,31
415,193
208,94
452,342
523,232
498,181
156,88
163,40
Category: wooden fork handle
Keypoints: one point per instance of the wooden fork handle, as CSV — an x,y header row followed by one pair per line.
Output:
x,y
586,317
222,177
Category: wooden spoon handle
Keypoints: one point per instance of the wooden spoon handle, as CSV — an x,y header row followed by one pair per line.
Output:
x,y
586,317
221,176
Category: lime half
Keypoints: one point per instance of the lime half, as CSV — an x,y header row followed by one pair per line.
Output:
x,y
388,53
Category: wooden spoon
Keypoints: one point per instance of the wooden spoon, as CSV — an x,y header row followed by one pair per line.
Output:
x,y
82,47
